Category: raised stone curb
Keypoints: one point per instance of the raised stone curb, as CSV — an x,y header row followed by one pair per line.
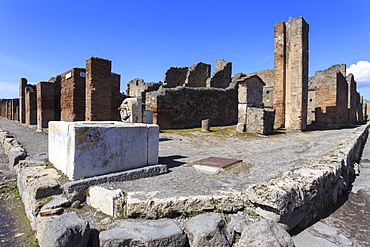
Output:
x,y
66,230
76,190
208,230
149,205
36,182
265,233
164,232
13,149
298,197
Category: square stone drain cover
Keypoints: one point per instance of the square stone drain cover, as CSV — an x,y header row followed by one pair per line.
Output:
x,y
217,162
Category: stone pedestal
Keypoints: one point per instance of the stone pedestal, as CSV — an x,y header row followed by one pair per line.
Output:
x,y
86,149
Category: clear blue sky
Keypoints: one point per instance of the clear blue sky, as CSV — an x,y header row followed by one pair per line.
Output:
x,y
44,38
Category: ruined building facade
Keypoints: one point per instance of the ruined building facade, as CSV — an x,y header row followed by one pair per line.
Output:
x,y
284,95
77,95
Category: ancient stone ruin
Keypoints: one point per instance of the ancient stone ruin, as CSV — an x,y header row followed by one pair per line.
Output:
x,y
97,135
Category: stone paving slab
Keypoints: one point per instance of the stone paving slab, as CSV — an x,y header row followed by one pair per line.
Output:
x,y
35,143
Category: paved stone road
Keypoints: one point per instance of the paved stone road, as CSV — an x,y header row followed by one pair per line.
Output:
x,y
349,225
35,143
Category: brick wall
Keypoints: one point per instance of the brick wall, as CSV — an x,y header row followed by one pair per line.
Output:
x,y
72,101
331,96
98,89
45,103
186,107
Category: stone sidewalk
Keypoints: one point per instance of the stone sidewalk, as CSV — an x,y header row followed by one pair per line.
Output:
x,y
349,224
264,157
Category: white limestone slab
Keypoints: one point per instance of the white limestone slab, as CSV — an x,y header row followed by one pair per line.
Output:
x,y
86,149
105,200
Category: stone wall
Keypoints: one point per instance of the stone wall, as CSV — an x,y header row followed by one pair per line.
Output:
x,y
267,76
291,73
185,107
222,77
352,99
331,96
198,74
260,120
45,103
136,87
358,107
250,90
311,100
175,76
73,95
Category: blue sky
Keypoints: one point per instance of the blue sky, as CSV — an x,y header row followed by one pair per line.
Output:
x,y
44,38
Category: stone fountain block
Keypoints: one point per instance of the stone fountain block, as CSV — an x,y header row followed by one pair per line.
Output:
x,y
86,149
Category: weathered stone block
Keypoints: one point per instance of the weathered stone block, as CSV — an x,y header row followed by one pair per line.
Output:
x,y
164,232
108,201
260,120
86,149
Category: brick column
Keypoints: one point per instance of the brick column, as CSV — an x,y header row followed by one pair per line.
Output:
x,y
98,89
279,70
116,97
291,74
45,103
31,106
22,95
14,109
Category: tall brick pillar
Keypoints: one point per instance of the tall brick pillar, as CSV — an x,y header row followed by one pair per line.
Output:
x,y
279,73
116,97
45,103
98,89
291,73
22,96
31,105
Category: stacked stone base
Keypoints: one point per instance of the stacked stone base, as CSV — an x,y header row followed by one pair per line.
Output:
x,y
256,120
